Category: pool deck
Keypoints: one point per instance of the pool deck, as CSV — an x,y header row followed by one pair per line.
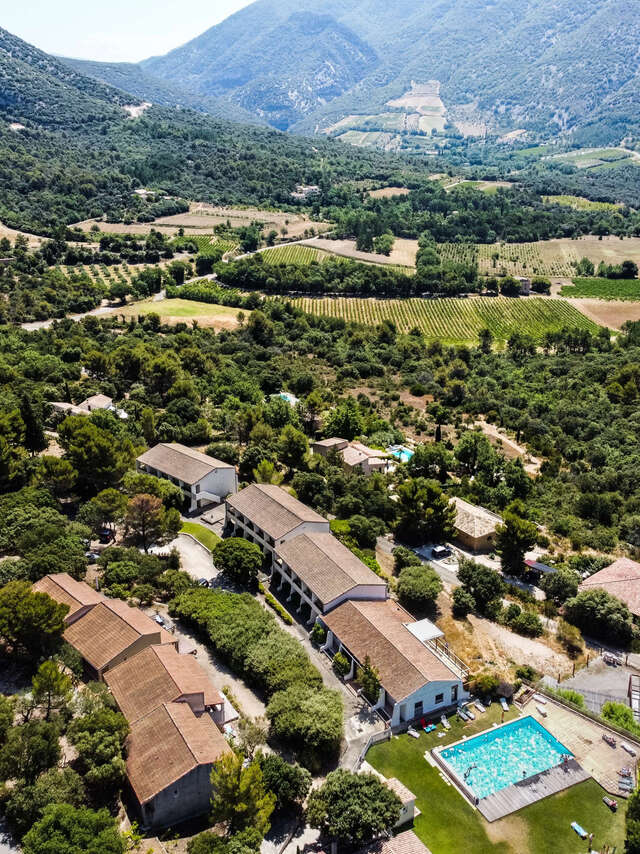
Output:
x,y
531,790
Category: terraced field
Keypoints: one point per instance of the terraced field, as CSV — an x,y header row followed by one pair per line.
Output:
x,y
456,320
546,258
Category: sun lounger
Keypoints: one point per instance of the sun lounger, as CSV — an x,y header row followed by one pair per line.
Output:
x,y
445,722
540,699
413,733
504,704
625,772
582,833
462,714
628,748
479,706
609,739
542,711
625,786
613,805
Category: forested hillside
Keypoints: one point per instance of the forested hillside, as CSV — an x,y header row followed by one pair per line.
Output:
x,y
69,150
543,65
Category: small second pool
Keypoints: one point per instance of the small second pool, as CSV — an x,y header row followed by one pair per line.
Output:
x,y
504,756
400,453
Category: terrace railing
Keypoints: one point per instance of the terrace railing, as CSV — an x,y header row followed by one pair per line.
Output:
x,y
444,653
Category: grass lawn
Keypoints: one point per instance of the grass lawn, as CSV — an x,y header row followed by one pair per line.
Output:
x,y
181,308
202,534
449,825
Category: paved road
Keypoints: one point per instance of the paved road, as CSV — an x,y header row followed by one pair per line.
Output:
x,y
196,560
7,846
45,324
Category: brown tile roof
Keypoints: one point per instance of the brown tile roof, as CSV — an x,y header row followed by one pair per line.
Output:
x,y
273,509
326,566
109,629
402,843
352,457
621,579
400,790
181,462
97,401
331,443
166,744
378,629
66,590
158,674
474,521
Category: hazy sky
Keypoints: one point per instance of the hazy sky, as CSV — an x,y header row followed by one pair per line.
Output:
x,y
117,31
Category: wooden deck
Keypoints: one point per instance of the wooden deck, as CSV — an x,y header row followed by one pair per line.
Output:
x,y
533,789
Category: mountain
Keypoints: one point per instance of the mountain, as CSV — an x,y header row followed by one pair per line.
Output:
x,y
304,60
546,65
130,77
72,148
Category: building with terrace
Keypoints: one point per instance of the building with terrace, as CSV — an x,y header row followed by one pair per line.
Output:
x,y
269,516
475,527
203,479
356,457
319,573
419,676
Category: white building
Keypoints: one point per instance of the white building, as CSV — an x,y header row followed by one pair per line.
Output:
x,y
269,516
203,479
419,676
320,573
92,404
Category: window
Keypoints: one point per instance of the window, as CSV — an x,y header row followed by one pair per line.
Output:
x,y
439,699
417,709
197,488
454,694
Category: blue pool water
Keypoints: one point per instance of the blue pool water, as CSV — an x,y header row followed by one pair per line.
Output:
x,y
401,453
290,398
504,756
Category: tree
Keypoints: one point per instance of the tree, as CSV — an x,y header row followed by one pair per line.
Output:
x,y
238,559
418,587
57,475
247,842
481,583
6,716
27,803
66,829
561,585
290,783
293,447
253,734
266,472
632,819
353,809
35,439
51,688
599,614
424,512
30,623
513,539
106,508
369,679
345,421
99,739
463,602
29,750
96,454
431,461
485,339
145,519
404,557
240,800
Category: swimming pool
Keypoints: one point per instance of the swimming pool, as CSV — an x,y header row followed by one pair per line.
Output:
x,y
400,453
504,756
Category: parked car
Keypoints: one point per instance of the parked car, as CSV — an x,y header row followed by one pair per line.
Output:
x,y
440,552
159,620
203,582
92,557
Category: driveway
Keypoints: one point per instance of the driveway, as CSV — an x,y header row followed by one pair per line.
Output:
x,y
196,560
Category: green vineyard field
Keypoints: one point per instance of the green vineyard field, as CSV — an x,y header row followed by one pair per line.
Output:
x,y
456,320
294,254
607,289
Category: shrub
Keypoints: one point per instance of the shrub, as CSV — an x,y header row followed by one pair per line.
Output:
x,y
601,615
341,664
570,696
527,623
402,557
570,638
318,634
463,602
486,684
527,673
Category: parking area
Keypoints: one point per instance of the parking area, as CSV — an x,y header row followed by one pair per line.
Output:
x,y
196,560
600,683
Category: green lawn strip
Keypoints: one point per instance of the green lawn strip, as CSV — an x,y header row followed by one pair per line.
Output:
x,y
202,534
606,289
181,308
449,825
